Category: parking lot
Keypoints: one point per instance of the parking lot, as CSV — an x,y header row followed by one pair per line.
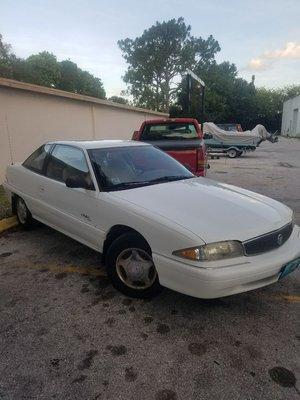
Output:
x,y
65,333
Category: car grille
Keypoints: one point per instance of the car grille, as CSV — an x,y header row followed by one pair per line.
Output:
x,y
267,242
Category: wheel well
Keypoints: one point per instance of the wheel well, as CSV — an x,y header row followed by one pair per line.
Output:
x,y
14,203
115,232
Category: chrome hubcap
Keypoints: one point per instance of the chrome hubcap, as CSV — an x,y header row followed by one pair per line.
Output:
x,y
135,268
21,211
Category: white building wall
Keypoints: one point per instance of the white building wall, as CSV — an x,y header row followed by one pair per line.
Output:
x,y
290,125
31,115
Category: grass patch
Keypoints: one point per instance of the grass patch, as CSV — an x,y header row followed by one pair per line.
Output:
x,y
5,209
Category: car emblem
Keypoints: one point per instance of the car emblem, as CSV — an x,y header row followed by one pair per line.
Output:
x,y
279,239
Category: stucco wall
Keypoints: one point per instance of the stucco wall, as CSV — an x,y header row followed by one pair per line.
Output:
x,y
290,125
29,118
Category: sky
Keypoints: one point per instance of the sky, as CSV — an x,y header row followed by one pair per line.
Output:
x,y
260,37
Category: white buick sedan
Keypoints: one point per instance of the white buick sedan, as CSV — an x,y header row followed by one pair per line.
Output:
x,y
154,222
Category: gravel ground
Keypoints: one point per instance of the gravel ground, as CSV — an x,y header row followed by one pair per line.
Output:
x,y
65,333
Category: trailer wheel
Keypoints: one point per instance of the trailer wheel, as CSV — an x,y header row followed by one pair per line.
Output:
x,y
232,153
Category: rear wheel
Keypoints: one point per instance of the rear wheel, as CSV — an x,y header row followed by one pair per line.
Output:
x,y
23,214
232,153
130,267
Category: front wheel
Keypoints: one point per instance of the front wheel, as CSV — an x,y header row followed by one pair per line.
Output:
x,y
23,214
130,267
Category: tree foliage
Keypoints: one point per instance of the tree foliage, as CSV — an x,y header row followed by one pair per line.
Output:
x,y
5,59
159,58
44,69
118,99
156,78
230,99
269,103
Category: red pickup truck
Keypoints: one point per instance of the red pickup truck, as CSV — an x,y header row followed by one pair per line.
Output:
x,y
181,138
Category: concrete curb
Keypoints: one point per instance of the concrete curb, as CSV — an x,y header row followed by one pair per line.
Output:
x,y
8,223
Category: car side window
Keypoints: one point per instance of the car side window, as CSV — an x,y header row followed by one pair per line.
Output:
x,y
66,161
35,161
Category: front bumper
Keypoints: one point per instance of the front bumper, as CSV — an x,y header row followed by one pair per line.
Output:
x,y
212,280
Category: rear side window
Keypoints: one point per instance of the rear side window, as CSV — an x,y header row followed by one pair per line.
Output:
x,y
35,162
169,131
66,161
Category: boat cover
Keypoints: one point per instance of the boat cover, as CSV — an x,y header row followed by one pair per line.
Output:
x,y
253,137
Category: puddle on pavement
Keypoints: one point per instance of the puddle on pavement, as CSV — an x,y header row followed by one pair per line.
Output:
x,y
282,376
166,394
197,349
117,350
87,362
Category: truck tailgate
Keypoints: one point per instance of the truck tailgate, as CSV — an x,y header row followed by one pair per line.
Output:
x,y
184,151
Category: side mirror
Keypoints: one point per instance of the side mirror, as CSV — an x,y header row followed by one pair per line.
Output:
x,y
77,181
207,136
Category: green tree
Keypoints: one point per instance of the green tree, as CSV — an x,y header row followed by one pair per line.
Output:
x,y
118,99
68,76
43,69
158,58
5,59
74,79
89,85
227,97
269,105
20,69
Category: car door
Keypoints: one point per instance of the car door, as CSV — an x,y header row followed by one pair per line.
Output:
x,y
74,211
28,178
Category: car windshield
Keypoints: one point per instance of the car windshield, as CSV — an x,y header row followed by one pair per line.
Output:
x,y
169,131
121,168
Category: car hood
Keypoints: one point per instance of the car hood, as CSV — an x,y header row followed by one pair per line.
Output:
x,y
211,210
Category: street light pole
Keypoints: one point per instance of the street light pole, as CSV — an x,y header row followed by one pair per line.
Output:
x,y
190,75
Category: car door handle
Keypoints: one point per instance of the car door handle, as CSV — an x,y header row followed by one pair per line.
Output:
x,y
41,188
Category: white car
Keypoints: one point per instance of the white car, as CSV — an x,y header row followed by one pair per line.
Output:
x,y
154,222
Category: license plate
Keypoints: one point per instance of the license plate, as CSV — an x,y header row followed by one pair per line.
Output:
x,y
288,268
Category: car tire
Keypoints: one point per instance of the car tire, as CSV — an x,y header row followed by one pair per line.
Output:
x,y
128,265
232,153
23,214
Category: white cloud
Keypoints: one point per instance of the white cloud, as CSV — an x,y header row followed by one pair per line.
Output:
x,y
290,51
257,64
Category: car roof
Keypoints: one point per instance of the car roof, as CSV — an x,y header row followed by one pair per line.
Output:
x,y
98,144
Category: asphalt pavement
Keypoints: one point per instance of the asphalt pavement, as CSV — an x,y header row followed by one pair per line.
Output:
x,y
65,333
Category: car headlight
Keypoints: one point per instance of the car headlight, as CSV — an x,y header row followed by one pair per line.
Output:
x,y
212,251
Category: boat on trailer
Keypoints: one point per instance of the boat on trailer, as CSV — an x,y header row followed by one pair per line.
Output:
x,y
233,143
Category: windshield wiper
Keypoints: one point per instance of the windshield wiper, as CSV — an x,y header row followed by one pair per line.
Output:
x,y
126,185
170,178
129,185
